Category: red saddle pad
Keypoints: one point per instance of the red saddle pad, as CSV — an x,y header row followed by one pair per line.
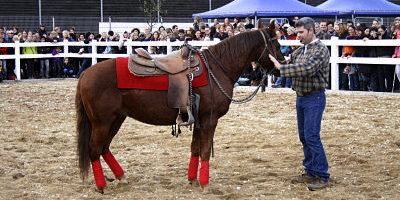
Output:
x,y
128,80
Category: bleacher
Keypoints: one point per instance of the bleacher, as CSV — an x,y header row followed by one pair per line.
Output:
x,y
85,15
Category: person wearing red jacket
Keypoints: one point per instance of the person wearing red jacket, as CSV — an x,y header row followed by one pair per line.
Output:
x,y
3,51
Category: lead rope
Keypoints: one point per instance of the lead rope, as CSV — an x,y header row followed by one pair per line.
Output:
x,y
190,84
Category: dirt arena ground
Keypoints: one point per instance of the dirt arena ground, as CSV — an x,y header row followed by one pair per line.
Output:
x,y
257,150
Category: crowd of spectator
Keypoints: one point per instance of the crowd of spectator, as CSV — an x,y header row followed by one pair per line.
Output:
x,y
354,77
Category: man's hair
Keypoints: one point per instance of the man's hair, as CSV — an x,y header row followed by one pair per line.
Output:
x,y
306,22
202,25
174,26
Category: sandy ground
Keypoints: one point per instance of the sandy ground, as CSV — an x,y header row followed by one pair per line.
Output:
x,y
257,150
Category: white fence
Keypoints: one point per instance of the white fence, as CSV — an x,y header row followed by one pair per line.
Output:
x,y
334,43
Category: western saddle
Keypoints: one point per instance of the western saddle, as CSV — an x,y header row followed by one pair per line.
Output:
x,y
176,66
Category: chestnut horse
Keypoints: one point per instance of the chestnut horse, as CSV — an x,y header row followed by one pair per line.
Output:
x,y
102,107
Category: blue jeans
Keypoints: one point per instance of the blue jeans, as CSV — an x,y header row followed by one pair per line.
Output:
x,y
309,115
284,82
354,82
343,78
240,79
4,69
86,63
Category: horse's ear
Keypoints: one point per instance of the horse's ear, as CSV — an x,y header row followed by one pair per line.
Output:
x,y
272,25
260,25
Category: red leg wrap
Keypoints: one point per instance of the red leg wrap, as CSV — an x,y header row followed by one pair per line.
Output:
x,y
193,167
113,164
204,173
98,174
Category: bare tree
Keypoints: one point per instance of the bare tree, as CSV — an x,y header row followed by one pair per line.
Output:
x,y
152,10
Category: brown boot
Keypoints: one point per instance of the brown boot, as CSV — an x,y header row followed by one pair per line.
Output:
x,y
304,178
317,184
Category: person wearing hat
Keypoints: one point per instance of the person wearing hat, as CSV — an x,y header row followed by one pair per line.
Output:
x,y
286,26
42,31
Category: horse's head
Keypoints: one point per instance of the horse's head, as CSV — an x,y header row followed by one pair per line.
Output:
x,y
272,47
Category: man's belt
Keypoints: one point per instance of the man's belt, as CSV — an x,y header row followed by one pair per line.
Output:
x,y
302,94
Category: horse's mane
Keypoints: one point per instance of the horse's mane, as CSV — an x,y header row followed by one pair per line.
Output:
x,y
240,43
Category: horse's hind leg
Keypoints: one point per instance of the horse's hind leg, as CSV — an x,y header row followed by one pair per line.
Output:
x,y
194,158
102,135
108,156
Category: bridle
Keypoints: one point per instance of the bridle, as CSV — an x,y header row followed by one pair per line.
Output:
x,y
251,96
268,41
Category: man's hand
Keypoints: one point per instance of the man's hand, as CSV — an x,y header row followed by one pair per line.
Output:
x,y
276,63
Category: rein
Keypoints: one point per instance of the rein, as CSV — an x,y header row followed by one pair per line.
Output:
x,y
245,100
266,73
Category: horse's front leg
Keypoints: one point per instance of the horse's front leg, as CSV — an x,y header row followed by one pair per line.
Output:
x,y
206,139
194,158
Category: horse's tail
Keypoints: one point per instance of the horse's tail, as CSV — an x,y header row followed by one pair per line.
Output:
x,y
84,130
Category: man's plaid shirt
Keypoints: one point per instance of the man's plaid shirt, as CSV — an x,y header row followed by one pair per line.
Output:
x,y
308,67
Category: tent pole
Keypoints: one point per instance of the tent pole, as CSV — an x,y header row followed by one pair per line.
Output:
x,y
255,20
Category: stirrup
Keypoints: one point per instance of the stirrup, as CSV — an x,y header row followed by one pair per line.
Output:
x,y
179,120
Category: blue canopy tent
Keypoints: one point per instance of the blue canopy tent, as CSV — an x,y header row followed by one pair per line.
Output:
x,y
361,7
263,8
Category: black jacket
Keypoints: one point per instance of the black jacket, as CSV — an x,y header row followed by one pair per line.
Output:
x,y
221,37
385,50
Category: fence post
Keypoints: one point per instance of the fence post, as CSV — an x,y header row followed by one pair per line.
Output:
x,y
129,47
94,51
17,60
169,47
65,42
334,63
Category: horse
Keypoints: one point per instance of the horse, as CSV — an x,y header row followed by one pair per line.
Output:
x,y
102,107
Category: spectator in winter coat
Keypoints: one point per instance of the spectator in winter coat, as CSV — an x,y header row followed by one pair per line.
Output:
x,y
44,62
3,66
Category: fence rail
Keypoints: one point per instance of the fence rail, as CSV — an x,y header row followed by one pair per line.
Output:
x,y
334,44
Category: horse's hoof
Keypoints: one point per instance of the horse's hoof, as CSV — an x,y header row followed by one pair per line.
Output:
x,y
122,180
206,189
104,190
194,182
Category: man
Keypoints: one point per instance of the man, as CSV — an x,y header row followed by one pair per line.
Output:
x,y
322,34
309,69
207,34
42,31
294,21
330,29
214,27
316,28
175,31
